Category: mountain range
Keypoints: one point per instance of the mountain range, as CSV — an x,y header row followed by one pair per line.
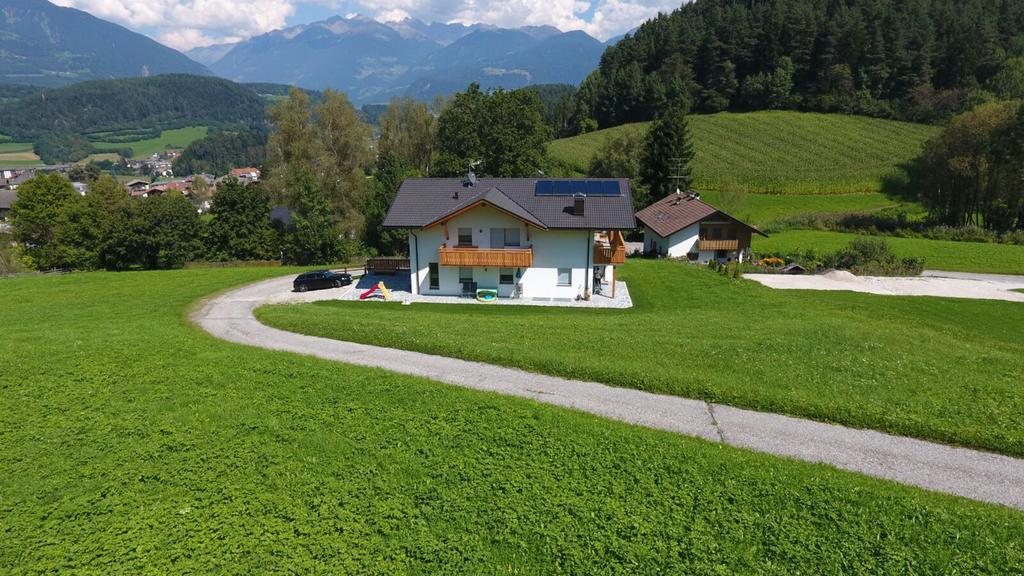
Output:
x,y
46,45
373,61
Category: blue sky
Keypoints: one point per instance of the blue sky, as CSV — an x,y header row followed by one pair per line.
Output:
x,y
186,24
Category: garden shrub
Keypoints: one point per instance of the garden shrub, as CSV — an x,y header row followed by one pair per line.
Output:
x,y
863,256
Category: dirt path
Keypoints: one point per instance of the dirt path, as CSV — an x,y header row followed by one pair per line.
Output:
x,y
960,471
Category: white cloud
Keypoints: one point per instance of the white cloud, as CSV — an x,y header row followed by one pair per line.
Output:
x,y
185,24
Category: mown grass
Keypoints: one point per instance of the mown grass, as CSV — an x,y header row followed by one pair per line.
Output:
x,y
938,254
776,152
176,138
934,368
134,443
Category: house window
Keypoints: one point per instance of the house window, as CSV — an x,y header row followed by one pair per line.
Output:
x,y
692,256
564,276
465,236
506,276
435,276
511,236
720,254
465,274
502,237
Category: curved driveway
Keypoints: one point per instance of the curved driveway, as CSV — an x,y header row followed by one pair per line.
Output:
x,y
964,472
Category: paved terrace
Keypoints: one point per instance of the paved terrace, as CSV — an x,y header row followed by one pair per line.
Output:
x,y
399,287
964,472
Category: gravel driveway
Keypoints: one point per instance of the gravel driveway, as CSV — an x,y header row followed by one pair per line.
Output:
x,y
931,283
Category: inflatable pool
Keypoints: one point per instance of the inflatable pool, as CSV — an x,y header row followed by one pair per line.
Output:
x,y
486,294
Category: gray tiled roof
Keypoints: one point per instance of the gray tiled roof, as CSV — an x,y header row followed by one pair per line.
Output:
x,y
421,201
7,198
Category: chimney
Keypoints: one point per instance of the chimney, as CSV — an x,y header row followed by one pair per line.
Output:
x,y
578,203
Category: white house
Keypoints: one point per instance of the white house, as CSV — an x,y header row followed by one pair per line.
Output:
x,y
523,237
681,225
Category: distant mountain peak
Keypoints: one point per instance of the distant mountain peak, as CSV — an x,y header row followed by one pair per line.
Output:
x,y
373,61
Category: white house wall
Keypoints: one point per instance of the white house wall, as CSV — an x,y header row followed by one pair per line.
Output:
x,y
677,245
552,249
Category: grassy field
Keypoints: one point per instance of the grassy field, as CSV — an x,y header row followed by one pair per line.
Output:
x,y
934,368
177,138
938,254
133,442
18,155
763,209
783,152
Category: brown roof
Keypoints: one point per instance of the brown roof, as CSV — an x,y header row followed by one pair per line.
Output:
x,y
497,199
679,210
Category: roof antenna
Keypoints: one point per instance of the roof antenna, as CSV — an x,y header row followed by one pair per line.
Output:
x,y
471,176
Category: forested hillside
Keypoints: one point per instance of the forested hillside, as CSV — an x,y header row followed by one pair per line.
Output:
x,y
919,60
170,101
43,44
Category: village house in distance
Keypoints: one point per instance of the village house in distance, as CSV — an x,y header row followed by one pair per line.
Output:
x,y
523,237
681,225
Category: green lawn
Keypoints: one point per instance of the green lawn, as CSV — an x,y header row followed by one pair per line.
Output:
x,y
783,152
134,443
177,138
933,368
938,254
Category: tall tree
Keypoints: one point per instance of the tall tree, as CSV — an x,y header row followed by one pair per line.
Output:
x,y
501,132
408,130
970,174
330,142
240,225
668,154
114,214
620,157
388,176
170,231
37,217
311,238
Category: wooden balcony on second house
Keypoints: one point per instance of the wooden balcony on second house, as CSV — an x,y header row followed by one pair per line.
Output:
x,y
706,245
497,257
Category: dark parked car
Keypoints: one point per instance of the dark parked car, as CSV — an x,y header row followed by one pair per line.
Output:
x,y
321,279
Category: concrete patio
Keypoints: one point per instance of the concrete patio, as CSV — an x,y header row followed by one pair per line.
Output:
x,y
399,287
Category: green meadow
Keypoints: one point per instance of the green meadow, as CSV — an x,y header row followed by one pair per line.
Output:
x,y
177,138
135,443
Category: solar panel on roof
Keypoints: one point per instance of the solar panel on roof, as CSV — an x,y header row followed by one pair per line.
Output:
x,y
573,187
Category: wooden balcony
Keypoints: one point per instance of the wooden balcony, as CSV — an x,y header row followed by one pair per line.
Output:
x,y
497,257
609,253
610,248
709,245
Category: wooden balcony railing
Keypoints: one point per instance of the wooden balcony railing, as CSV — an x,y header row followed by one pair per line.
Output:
x,y
708,245
498,257
609,253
